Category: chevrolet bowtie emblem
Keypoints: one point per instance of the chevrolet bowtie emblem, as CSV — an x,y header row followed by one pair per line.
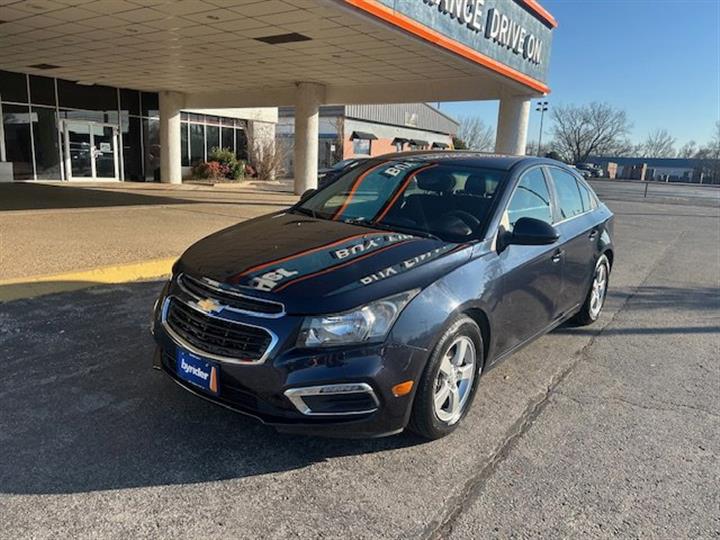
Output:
x,y
208,305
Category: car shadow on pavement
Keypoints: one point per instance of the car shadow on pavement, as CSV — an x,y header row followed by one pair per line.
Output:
x,y
82,409
677,300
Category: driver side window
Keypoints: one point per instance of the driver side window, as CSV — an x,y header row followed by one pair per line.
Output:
x,y
530,199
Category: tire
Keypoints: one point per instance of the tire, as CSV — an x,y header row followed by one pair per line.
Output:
x,y
461,341
590,310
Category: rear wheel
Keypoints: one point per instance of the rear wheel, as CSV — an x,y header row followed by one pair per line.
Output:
x,y
448,384
595,299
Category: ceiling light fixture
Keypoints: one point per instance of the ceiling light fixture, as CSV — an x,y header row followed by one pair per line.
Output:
x,y
293,37
44,66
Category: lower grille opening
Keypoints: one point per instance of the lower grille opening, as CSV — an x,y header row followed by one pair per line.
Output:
x,y
340,403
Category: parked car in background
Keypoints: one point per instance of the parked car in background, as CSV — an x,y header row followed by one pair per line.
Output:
x,y
594,170
583,172
377,303
326,176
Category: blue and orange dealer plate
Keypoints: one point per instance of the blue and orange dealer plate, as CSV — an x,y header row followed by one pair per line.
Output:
x,y
198,371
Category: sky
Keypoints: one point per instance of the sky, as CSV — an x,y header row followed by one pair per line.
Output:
x,y
659,60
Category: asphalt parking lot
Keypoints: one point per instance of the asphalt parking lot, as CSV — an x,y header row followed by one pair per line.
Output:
x,y
609,430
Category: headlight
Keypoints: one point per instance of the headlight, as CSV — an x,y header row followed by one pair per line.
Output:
x,y
367,323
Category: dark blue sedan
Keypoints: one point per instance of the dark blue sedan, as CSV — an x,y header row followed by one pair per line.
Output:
x,y
376,303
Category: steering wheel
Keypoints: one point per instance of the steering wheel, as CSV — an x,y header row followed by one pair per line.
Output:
x,y
466,217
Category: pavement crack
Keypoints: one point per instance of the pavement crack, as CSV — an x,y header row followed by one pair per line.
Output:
x,y
471,490
668,405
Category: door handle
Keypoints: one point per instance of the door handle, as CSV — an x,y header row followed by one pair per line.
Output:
x,y
557,256
593,234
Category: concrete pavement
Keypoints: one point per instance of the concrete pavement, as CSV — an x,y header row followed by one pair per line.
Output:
x,y
608,430
51,229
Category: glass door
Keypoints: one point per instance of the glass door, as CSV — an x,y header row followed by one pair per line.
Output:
x,y
105,150
90,150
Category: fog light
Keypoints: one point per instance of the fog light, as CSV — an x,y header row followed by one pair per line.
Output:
x,y
402,389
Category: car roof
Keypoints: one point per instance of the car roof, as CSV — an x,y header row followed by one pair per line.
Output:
x,y
466,158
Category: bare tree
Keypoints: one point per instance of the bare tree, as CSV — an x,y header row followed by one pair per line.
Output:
x,y
268,157
688,150
658,144
476,135
531,148
710,156
593,129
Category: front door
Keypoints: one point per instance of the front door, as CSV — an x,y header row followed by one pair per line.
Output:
x,y
532,275
91,150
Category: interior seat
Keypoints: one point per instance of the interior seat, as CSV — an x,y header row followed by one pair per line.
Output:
x,y
437,200
476,198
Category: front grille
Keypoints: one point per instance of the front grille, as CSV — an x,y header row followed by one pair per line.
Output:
x,y
217,336
201,289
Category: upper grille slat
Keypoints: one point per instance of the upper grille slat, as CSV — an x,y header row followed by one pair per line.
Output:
x,y
216,336
234,300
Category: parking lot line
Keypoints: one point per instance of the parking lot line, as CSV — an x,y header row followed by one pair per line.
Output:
x,y
33,286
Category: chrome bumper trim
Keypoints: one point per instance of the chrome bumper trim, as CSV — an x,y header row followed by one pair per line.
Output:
x,y
296,395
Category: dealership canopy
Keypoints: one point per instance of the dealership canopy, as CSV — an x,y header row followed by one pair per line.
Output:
x,y
306,53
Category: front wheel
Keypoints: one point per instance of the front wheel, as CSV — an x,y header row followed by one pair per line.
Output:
x,y
448,384
595,299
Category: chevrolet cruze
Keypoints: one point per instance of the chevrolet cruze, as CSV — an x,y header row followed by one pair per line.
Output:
x,y
377,303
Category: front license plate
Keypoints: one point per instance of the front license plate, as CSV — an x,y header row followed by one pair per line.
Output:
x,y
198,371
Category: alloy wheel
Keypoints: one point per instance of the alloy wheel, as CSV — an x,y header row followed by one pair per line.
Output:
x,y
599,288
454,380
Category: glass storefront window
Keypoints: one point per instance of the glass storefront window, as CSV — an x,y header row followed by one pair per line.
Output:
x,y
18,149
130,101
151,141
42,90
80,96
47,149
185,153
13,87
228,138
241,149
213,138
361,147
132,150
197,143
150,104
91,116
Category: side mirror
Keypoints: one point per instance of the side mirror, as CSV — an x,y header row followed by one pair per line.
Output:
x,y
533,232
308,193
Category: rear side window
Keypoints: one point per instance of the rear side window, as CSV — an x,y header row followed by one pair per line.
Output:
x,y
530,199
588,199
568,191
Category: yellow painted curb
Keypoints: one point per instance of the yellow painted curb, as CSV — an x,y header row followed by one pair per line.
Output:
x,y
31,287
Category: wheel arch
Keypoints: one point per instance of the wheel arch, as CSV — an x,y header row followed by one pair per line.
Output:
x,y
481,319
610,254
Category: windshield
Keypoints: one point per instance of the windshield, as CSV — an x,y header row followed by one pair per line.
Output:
x,y
443,200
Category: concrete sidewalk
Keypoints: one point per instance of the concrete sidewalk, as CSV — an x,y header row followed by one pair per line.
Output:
x,y
49,229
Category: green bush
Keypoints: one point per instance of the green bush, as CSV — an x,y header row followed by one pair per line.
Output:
x,y
226,157
221,165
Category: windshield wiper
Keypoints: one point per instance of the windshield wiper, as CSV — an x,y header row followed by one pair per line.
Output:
x,y
392,228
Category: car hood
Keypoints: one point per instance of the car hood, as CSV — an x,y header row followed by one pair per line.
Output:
x,y
316,265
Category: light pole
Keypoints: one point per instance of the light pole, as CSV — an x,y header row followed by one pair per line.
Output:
x,y
542,106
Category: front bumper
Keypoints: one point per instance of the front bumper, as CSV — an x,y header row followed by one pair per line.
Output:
x,y
274,391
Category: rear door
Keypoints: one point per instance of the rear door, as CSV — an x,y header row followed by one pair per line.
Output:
x,y
531,275
578,237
